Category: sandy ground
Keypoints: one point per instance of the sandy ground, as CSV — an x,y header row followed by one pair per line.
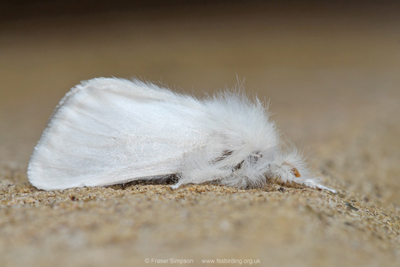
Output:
x,y
333,81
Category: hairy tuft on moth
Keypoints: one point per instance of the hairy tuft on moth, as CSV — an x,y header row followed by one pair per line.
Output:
x,y
109,131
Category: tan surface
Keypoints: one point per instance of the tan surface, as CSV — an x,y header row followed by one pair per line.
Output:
x,y
333,81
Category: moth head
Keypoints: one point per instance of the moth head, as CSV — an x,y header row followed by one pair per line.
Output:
x,y
259,167
287,167
273,165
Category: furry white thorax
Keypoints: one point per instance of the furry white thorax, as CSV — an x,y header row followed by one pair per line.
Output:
x,y
109,131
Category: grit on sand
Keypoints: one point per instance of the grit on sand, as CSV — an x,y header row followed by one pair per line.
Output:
x,y
333,82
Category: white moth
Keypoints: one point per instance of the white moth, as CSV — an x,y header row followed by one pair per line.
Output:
x,y
109,131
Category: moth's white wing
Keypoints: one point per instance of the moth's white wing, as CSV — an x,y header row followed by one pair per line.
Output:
x,y
110,131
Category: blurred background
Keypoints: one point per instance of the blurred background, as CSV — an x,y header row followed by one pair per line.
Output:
x,y
331,70
326,66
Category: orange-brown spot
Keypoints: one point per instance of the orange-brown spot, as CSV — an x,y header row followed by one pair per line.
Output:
x,y
294,170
